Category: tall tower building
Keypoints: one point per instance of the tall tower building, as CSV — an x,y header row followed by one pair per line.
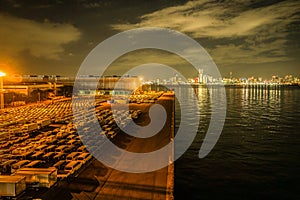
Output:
x,y
200,75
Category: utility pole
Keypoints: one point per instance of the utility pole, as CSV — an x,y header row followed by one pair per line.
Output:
x,y
2,74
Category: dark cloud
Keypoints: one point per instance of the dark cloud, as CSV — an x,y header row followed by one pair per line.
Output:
x,y
236,33
39,39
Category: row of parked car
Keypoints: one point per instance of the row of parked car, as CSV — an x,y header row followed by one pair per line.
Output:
x,y
48,149
60,146
13,120
150,97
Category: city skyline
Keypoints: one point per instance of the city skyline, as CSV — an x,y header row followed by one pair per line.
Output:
x,y
250,38
201,77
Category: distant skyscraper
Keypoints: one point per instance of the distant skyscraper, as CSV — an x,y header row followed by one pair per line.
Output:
x,y
200,75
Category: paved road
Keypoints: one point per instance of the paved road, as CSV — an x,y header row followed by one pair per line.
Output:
x,y
100,182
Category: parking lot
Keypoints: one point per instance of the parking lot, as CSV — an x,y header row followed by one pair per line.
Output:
x,y
44,135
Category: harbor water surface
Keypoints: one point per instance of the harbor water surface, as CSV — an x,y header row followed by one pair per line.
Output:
x,y
257,155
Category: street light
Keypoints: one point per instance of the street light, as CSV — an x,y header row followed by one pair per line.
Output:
x,y
2,74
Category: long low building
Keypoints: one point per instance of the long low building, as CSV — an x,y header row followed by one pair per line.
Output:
x,y
27,89
41,87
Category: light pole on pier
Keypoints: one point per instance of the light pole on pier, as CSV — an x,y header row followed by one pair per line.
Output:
x,y
2,74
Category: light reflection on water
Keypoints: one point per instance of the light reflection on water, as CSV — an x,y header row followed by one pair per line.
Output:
x,y
258,153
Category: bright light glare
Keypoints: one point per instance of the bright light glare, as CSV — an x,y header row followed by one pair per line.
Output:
x,y
2,74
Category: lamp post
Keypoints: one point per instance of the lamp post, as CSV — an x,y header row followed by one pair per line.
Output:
x,y
2,74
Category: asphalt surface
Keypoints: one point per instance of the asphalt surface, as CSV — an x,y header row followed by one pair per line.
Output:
x,y
98,181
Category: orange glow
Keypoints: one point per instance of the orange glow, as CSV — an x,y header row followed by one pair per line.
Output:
x,y
15,78
8,65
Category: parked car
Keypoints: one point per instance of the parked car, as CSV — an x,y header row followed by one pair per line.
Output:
x,y
84,157
19,165
72,156
72,167
60,164
35,164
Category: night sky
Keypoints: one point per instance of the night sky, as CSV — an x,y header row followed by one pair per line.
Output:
x,y
247,37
